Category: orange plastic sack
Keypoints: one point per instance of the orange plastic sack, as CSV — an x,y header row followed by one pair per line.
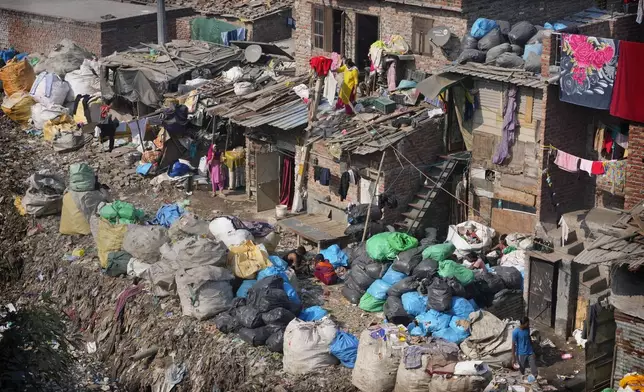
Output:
x,y
17,76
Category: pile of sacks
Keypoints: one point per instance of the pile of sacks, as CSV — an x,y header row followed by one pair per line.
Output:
x,y
498,43
357,217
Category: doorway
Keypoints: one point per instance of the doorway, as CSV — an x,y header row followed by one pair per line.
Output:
x,y
367,33
338,31
267,165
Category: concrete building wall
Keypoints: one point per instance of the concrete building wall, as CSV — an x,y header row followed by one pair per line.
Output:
x,y
635,167
270,28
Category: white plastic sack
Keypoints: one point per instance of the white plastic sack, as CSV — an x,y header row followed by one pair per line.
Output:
x,y
54,95
204,291
302,91
44,194
136,267
84,81
161,276
243,88
413,380
40,114
69,141
65,57
306,345
484,233
194,252
516,259
196,82
236,237
459,383
221,226
233,74
143,242
377,362
203,166
470,368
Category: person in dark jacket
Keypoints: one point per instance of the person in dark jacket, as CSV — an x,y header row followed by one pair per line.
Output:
x,y
106,129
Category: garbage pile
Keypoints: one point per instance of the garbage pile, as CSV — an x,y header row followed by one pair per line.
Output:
x,y
498,43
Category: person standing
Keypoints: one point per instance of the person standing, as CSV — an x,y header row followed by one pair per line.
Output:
x,y
217,173
348,89
522,348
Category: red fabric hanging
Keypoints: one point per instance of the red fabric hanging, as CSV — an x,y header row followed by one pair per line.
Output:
x,y
627,98
597,168
288,186
321,65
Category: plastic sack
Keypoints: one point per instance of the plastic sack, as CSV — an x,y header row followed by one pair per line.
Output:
x,y
204,291
533,63
504,26
275,342
470,368
357,214
386,246
235,238
470,55
392,276
81,178
496,51
461,307
454,333
247,259
278,262
351,294
439,252
345,348
490,40
278,316
84,81
226,323
426,269
312,313
481,27
44,194
17,76
377,361
433,320
256,336
221,226
439,296
72,220
190,252
537,38
336,256
511,277
534,48
408,260
242,291
484,233
469,42
376,270
518,50
248,317
268,294
395,312
451,269
306,345
458,290
143,242
58,125
370,304
359,275
414,303
136,268
233,74
49,93
404,286
18,107
40,114
440,383
413,380
269,241
521,32
65,57
378,289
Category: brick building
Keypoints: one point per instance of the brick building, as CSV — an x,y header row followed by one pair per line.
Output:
x,y
102,27
349,27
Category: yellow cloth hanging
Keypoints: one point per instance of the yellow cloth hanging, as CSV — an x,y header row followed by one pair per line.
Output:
x,y
349,84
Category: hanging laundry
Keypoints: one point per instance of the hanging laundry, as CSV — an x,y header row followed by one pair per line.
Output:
x,y
344,186
640,12
509,125
587,70
325,176
354,176
567,162
330,88
621,139
391,77
597,168
241,34
598,145
586,165
615,175
629,83
565,230
321,65
336,60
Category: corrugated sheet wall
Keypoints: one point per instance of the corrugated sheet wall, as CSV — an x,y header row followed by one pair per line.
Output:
x,y
629,341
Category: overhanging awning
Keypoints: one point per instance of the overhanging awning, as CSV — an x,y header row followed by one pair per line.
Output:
x,y
433,85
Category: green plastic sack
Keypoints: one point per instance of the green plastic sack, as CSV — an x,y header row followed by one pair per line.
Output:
x,y
81,177
386,246
120,212
117,263
439,252
451,269
369,303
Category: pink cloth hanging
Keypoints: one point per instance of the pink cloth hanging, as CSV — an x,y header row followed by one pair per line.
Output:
x,y
287,187
567,162
586,166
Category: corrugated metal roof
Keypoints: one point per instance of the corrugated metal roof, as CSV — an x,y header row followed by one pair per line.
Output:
x,y
514,76
284,117
609,249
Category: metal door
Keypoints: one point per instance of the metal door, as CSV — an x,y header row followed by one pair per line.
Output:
x,y
600,348
543,291
268,180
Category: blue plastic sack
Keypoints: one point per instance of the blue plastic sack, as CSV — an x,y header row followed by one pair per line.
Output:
x,y
167,214
21,56
461,307
474,304
557,26
481,27
242,291
534,48
178,169
345,348
454,333
414,303
378,289
336,256
433,320
143,169
278,262
290,291
312,313
7,54
271,271
392,276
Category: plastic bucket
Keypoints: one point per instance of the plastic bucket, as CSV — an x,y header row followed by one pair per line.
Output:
x,y
280,211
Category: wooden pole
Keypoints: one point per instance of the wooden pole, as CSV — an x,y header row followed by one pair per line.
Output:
x,y
373,195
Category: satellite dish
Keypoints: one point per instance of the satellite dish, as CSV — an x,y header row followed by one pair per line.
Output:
x,y
439,35
253,53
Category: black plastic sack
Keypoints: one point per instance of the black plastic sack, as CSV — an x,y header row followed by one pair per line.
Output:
x,y
509,60
496,51
408,260
504,26
488,283
269,299
426,269
471,55
537,38
403,286
533,64
249,317
490,40
376,270
358,214
360,276
354,232
469,42
237,302
352,295
439,295
521,33
256,336
227,323
278,316
510,276
395,312
517,49
456,288
275,342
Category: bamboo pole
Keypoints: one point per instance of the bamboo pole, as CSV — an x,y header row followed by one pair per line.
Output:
x,y
373,195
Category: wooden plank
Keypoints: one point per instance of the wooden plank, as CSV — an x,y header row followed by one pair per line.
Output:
x,y
582,313
520,183
527,117
508,221
514,196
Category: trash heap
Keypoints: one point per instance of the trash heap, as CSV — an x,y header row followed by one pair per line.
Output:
x,y
498,43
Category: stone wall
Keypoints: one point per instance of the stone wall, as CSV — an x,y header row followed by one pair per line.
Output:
x,y
270,28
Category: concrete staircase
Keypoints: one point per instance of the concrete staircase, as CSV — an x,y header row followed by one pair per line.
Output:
x,y
596,281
